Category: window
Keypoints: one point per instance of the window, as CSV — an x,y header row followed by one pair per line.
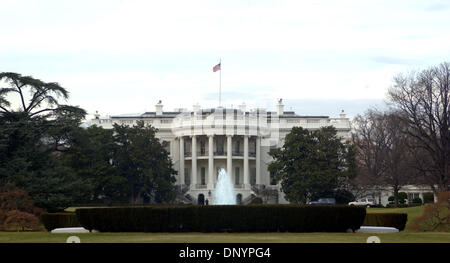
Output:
x,y
253,176
220,143
187,148
272,148
236,175
187,178
166,121
312,121
202,147
252,146
203,176
238,146
272,178
412,196
166,146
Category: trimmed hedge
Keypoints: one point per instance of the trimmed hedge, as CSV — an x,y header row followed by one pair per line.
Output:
x,y
223,218
59,220
386,219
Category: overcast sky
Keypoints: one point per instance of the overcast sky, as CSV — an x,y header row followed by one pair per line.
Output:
x,y
319,56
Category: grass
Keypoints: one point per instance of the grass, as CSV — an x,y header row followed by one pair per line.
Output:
x,y
412,212
46,237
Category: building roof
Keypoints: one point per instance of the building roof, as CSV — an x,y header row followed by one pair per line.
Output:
x,y
207,111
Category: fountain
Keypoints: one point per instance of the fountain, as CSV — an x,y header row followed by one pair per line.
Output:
x,y
224,194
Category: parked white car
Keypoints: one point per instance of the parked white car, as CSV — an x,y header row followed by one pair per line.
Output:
x,y
364,202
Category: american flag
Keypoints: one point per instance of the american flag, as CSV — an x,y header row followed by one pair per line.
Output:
x,y
216,67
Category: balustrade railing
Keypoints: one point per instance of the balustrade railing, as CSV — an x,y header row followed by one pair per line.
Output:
x,y
219,153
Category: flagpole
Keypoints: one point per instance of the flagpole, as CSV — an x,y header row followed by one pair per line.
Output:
x,y
220,83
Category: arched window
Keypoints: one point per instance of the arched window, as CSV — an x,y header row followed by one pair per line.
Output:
x,y
201,199
239,199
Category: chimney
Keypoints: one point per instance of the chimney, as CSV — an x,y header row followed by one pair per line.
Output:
x,y
242,107
280,107
342,115
159,108
196,108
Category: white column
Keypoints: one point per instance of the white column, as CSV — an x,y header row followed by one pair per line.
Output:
x,y
258,160
210,162
194,162
246,169
181,172
229,156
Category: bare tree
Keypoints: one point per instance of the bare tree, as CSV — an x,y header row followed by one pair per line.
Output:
x,y
423,99
381,153
367,137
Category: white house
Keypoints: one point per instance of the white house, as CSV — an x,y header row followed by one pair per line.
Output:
x,y
202,141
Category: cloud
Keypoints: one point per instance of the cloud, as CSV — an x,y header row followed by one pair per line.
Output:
x,y
393,60
442,5
120,56
332,107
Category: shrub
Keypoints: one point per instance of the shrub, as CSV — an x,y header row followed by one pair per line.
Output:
x,y
59,220
18,220
386,219
428,198
436,216
15,199
256,201
398,206
221,218
417,201
402,196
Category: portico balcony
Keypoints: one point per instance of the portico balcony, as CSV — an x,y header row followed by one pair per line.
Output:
x,y
200,154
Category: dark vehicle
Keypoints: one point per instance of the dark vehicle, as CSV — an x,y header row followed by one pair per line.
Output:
x,y
324,201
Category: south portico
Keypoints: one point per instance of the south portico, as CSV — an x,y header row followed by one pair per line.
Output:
x,y
201,156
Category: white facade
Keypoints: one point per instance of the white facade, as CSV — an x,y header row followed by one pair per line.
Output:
x,y
381,194
203,140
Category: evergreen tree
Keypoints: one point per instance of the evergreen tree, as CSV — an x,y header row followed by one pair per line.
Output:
x,y
32,138
312,163
91,156
146,165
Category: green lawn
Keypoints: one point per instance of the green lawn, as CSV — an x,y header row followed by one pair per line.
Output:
x,y
403,237
412,212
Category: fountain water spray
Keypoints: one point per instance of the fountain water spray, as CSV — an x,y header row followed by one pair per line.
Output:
x,y
224,194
